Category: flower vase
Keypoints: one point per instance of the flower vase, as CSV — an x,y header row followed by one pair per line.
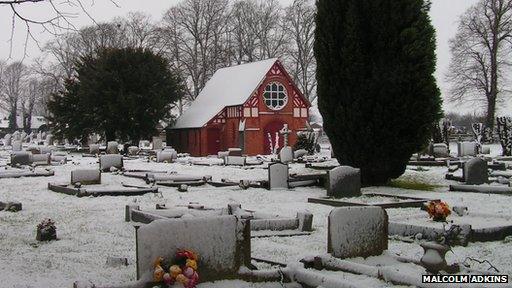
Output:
x,y
433,258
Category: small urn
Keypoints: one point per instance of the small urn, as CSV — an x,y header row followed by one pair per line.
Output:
x,y
433,258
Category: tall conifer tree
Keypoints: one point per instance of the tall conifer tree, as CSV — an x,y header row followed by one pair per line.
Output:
x,y
376,89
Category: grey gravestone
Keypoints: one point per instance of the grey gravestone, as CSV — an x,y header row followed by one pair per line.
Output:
x,y
235,160
39,137
16,145
234,152
133,150
440,150
357,232
486,150
45,150
344,181
16,136
475,172
48,140
164,156
222,154
21,158
23,136
94,149
300,153
7,140
278,176
158,144
112,147
286,155
305,221
222,243
467,149
41,159
109,161
86,176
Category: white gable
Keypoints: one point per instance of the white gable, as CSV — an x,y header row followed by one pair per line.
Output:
x,y
227,87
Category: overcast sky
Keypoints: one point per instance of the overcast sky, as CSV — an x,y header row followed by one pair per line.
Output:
x,y
444,16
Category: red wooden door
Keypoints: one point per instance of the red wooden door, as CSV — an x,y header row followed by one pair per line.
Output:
x,y
213,137
271,128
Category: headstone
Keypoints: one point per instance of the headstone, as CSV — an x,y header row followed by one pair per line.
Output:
x,y
94,149
222,243
16,135
286,155
166,156
133,150
440,150
41,159
475,172
21,158
278,176
222,154
23,136
285,132
45,149
344,181
235,160
158,144
305,221
486,150
109,161
300,153
357,232
87,177
16,145
39,137
234,152
48,140
112,147
467,149
7,140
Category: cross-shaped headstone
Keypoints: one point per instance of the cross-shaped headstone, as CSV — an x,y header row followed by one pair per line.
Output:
x,y
285,132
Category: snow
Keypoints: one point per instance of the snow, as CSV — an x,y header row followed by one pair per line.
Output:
x,y
228,87
91,229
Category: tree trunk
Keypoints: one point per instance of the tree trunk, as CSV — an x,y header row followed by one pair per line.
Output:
x,y
491,112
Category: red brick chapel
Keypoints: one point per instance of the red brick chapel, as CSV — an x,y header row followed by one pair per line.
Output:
x,y
239,107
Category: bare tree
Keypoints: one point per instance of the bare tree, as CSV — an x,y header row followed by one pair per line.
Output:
x,y
197,30
271,35
244,31
56,19
480,55
300,25
14,84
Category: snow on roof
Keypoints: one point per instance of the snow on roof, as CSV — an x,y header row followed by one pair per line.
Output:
x,y
227,87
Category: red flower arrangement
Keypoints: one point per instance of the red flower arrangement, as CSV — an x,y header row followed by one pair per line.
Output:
x,y
438,210
183,270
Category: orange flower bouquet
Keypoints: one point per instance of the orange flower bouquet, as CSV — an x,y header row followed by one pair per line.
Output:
x,y
438,210
183,270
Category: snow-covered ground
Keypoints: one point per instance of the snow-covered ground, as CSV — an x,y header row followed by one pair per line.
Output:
x,y
91,229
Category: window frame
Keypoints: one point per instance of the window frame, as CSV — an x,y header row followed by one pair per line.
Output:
x,y
269,89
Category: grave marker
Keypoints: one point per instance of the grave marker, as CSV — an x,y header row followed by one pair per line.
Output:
x,y
112,147
86,176
475,172
286,155
109,161
344,181
223,245
278,176
357,232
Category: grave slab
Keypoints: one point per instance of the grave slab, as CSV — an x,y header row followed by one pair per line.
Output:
x,y
344,181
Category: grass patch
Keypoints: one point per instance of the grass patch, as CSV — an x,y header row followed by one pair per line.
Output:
x,y
412,185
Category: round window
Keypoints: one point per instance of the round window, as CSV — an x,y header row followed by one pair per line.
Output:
x,y
275,96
